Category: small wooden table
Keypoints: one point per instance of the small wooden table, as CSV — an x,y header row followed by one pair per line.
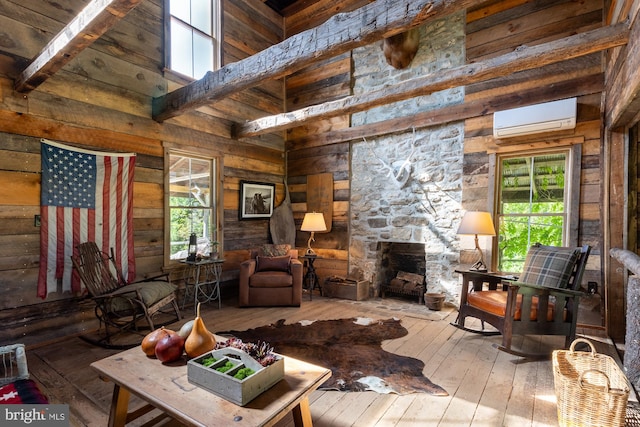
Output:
x,y
166,387
202,277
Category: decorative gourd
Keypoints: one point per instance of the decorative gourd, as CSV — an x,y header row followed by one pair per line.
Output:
x,y
185,330
151,339
200,340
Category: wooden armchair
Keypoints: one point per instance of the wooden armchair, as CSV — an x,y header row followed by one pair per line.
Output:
x,y
549,284
119,304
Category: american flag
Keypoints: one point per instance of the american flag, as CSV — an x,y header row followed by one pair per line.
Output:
x,y
86,196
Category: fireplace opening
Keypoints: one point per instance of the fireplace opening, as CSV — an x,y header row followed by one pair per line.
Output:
x,y
401,270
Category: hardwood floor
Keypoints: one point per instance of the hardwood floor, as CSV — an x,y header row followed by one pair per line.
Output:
x,y
486,387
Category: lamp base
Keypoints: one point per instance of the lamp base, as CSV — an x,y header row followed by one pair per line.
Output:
x,y
479,266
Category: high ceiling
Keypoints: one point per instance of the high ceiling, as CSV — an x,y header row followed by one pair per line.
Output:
x,y
279,5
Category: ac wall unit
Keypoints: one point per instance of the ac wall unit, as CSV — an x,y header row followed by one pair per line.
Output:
x,y
546,117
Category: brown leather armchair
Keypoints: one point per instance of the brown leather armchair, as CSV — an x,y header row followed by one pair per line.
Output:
x,y
271,280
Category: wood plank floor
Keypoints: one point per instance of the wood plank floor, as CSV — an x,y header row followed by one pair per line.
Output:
x,y
486,387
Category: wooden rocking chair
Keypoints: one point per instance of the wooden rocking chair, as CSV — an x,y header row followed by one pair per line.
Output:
x,y
549,284
120,305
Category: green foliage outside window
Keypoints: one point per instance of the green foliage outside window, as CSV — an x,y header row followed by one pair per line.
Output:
x,y
532,207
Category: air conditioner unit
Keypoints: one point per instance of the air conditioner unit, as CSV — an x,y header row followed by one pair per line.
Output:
x,y
546,117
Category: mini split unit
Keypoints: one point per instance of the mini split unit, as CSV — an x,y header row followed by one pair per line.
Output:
x,y
547,117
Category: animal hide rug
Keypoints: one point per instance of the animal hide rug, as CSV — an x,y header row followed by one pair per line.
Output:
x,y
352,349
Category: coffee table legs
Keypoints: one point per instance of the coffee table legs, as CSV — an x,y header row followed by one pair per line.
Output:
x,y
302,414
119,414
119,406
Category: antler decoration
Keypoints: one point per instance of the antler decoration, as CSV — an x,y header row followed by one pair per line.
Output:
x,y
402,174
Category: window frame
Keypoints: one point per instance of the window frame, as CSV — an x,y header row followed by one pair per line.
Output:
x,y
573,149
216,36
217,203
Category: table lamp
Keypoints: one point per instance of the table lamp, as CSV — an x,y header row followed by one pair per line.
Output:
x,y
477,223
312,222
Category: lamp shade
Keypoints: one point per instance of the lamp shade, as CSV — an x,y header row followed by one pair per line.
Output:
x,y
313,221
478,223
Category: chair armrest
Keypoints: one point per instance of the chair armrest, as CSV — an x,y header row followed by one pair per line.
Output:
x,y
545,289
163,276
248,267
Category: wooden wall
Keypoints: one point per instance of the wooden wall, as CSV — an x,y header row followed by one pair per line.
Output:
x,y
102,100
494,28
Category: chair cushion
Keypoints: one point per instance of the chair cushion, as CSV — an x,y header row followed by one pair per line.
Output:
x,y
549,267
271,279
151,292
274,250
274,263
495,302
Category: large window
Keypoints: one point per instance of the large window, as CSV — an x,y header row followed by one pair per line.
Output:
x,y
193,36
192,204
532,205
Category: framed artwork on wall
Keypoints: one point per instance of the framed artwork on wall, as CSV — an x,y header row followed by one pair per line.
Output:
x,y
256,200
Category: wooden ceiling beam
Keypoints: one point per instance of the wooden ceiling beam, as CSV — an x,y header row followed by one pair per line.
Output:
x,y
339,34
521,59
92,22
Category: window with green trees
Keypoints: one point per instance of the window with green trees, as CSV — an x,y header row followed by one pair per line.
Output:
x,y
192,204
532,205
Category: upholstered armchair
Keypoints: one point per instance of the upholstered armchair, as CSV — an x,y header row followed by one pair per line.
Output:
x,y
272,276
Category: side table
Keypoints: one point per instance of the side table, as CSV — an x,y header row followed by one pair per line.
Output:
x,y
202,278
311,281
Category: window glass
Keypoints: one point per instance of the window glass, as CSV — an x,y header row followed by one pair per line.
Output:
x,y
193,28
192,204
181,57
201,15
532,205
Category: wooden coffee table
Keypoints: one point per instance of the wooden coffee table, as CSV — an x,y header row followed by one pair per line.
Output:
x,y
166,387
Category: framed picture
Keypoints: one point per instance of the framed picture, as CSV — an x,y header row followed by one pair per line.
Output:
x,y
256,200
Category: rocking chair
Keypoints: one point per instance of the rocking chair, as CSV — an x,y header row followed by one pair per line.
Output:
x,y
548,291
120,305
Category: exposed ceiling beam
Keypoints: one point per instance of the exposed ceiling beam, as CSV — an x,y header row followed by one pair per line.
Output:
x,y
339,34
521,59
92,22
452,113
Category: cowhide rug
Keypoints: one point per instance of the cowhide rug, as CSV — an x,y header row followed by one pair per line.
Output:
x,y
351,348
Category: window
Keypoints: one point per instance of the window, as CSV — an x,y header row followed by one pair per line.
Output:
x,y
532,203
193,36
192,203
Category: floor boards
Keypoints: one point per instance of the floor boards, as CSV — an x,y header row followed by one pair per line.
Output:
x,y
486,387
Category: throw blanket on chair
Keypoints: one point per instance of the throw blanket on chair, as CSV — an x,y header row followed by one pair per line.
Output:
x,y
22,392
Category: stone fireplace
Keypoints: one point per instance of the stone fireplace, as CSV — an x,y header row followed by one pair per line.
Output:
x,y
406,187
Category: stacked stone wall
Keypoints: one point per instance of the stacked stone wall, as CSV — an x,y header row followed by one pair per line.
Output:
x,y
407,187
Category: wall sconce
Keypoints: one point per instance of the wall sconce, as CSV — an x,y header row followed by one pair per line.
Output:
x,y
477,223
313,222
193,248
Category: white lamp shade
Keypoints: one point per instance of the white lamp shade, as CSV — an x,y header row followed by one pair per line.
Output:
x,y
479,223
313,221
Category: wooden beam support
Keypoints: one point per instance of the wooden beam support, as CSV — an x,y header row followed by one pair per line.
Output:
x,y
93,21
521,59
339,34
452,113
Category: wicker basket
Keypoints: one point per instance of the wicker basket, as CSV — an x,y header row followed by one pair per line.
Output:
x,y
591,389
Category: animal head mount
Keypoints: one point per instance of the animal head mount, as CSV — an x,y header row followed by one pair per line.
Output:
x,y
399,50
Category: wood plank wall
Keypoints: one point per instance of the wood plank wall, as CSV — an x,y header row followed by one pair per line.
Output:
x,y
494,28
102,100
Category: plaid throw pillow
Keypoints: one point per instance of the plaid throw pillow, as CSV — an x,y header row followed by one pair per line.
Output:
x,y
549,267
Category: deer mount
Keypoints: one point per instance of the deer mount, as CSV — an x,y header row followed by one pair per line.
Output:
x,y
399,50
